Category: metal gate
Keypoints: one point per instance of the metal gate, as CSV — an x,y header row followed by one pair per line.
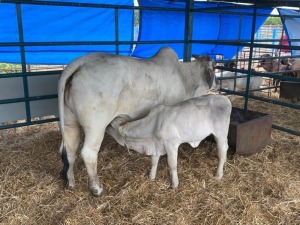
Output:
x,y
26,94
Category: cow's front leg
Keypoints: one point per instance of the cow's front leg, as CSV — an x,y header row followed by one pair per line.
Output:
x,y
89,153
154,163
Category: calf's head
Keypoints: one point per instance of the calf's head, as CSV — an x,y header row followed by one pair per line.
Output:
x,y
113,128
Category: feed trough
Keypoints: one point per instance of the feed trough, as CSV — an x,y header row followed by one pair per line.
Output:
x,y
249,131
290,90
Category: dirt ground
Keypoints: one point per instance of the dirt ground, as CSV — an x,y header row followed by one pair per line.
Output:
x,y
261,189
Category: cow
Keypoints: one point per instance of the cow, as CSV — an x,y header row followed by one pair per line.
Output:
x,y
167,126
96,88
240,82
230,64
273,65
293,65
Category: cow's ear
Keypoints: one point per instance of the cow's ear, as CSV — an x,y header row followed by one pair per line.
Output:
x,y
202,58
196,56
264,56
209,76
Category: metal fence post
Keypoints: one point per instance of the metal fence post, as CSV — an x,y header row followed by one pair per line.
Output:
x,y
188,31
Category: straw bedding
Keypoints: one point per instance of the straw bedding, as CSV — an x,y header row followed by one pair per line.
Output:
x,y
261,189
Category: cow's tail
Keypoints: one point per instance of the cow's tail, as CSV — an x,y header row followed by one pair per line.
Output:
x,y
65,76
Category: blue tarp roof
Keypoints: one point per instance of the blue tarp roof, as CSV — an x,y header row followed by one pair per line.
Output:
x,y
44,23
159,25
292,26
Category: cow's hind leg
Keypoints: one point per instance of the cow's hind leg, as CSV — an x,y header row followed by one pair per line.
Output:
x,y
68,152
222,154
93,139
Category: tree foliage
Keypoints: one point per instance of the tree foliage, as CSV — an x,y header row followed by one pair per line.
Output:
x,y
9,68
273,21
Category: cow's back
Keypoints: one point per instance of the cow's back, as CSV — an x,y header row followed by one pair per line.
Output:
x,y
127,85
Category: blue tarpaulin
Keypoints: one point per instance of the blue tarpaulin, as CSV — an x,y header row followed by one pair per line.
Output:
x,y
159,25
46,23
292,26
52,23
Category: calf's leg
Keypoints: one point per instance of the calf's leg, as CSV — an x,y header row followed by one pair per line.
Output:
x,y
154,163
172,153
222,154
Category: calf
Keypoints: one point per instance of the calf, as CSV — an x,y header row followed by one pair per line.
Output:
x,y
167,126
241,82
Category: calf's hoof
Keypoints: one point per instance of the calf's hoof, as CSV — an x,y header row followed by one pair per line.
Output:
x,y
152,177
174,186
218,176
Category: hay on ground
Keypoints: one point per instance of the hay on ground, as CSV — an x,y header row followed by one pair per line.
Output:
x,y
260,189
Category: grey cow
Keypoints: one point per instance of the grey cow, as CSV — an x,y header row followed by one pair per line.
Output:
x,y
98,87
273,65
240,82
167,126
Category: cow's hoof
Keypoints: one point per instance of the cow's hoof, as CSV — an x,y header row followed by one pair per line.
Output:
x,y
64,177
71,186
104,192
69,183
98,192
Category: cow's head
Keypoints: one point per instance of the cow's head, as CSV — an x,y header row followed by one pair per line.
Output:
x,y
287,62
208,64
230,64
265,62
